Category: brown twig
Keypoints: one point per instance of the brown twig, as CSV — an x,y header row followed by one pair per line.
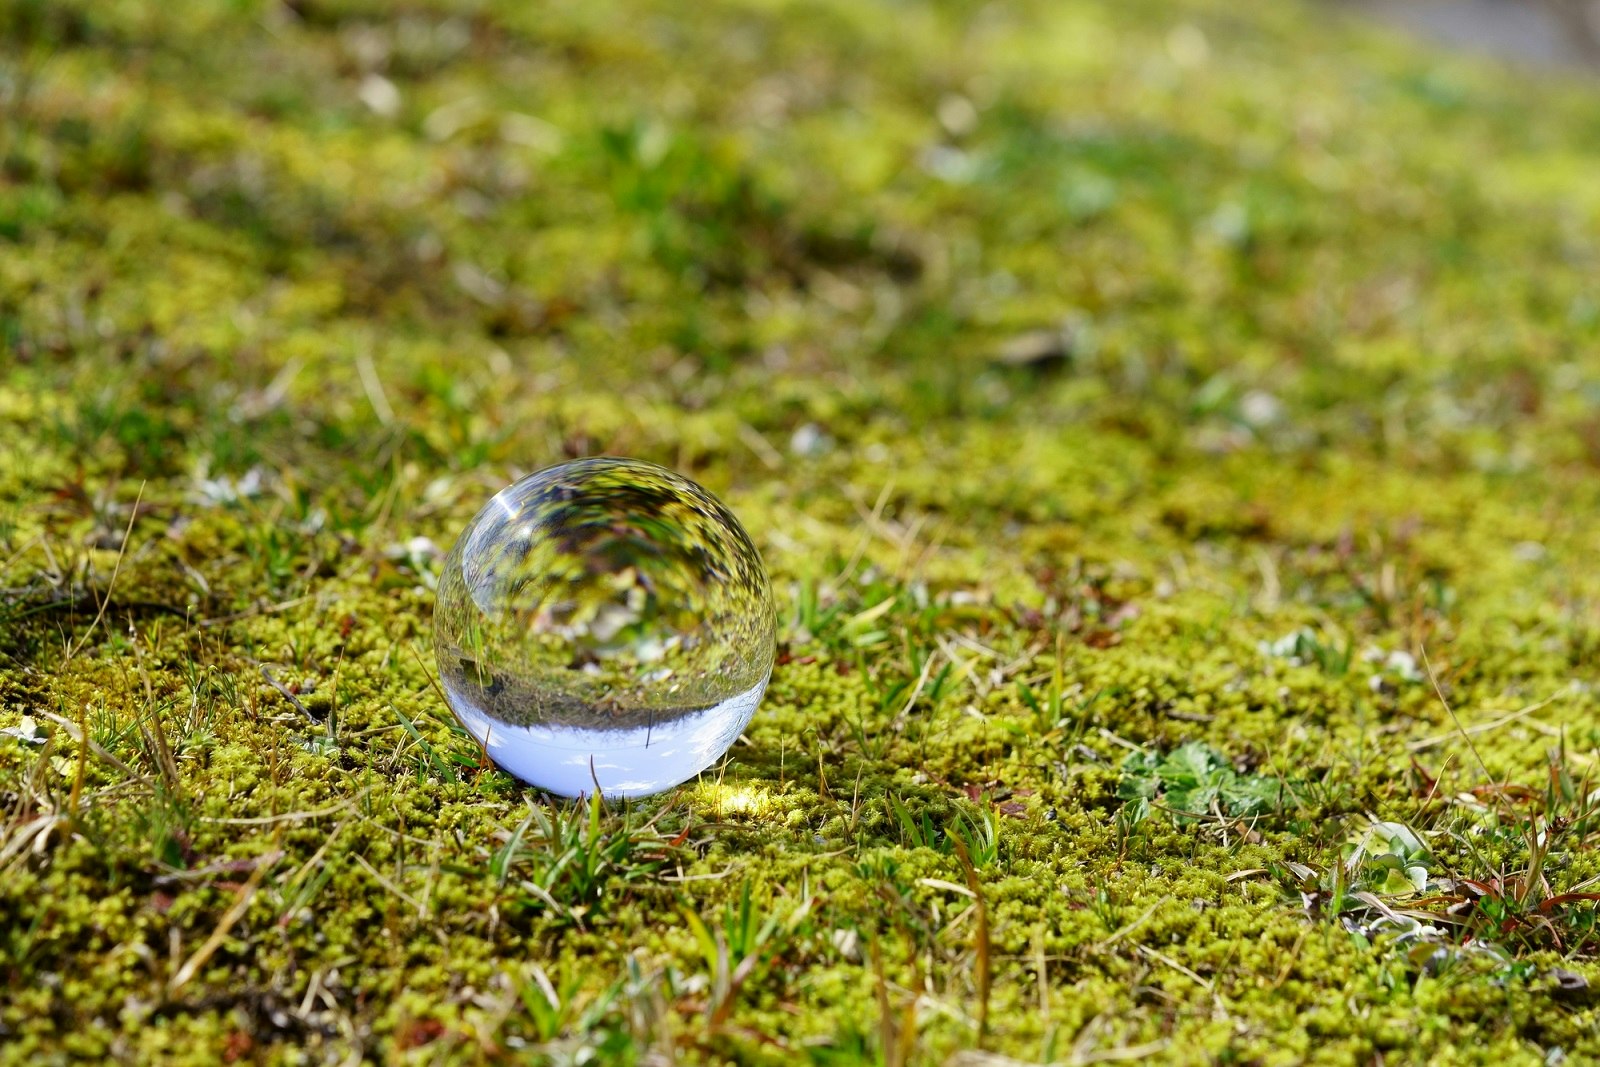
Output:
x,y
290,697
235,912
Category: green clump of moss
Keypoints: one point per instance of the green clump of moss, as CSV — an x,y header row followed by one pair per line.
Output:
x,y
1142,401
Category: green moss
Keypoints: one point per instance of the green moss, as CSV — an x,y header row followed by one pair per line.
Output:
x,y
1096,380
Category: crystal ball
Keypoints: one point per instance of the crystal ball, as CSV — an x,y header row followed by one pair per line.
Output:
x,y
604,623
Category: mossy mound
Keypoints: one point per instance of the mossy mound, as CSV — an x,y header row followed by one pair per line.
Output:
x,y
1172,429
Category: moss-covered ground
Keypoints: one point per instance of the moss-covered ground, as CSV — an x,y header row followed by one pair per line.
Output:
x,y
1173,431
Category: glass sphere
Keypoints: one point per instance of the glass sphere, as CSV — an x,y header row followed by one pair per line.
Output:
x,y
604,622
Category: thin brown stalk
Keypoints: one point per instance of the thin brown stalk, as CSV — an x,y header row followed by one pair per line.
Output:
x,y
980,937
230,918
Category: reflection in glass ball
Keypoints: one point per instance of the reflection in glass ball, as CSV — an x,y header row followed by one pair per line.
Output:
x,y
604,621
